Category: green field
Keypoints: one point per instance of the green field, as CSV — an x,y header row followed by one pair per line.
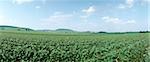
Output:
x,y
73,47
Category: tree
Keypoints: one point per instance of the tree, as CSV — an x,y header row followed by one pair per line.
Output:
x,y
102,32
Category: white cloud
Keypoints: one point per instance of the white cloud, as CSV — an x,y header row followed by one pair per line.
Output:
x,y
43,1
84,16
112,19
5,21
130,3
58,17
131,21
89,10
22,1
27,1
121,6
127,4
1,16
56,20
145,2
116,20
37,7
1,20
148,1
58,13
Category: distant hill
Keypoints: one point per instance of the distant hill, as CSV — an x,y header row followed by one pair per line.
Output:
x,y
14,28
64,30
45,30
58,30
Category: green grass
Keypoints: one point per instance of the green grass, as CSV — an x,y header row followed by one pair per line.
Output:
x,y
73,47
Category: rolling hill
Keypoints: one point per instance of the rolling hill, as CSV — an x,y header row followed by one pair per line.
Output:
x,y
14,28
64,30
58,30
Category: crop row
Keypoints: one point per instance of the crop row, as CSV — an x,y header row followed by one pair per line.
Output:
x,y
94,48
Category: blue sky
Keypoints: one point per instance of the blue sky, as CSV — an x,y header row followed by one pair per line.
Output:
x,y
85,15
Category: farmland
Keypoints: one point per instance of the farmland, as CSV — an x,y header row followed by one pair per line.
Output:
x,y
73,47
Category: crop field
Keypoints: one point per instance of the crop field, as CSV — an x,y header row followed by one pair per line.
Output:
x,y
74,47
